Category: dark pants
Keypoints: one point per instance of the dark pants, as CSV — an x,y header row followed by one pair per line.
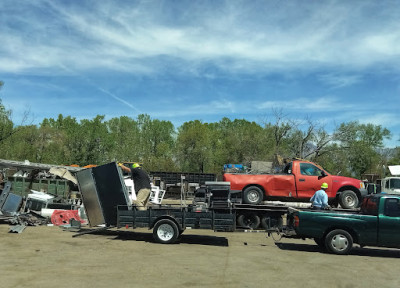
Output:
x,y
316,208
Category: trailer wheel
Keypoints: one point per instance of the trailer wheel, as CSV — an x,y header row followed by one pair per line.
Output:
x,y
348,199
252,195
339,242
165,231
251,221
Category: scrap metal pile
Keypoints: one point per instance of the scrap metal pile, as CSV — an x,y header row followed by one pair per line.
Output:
x,y
55,202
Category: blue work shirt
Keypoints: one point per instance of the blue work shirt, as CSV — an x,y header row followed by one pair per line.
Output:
x,y
319,199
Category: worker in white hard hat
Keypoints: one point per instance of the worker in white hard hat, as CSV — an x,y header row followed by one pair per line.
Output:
x,y
320,199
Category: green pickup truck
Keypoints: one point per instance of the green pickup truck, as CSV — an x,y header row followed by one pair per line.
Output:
x,y
375,223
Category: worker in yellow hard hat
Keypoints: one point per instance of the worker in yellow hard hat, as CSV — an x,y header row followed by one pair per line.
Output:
x,y
141,181
320,199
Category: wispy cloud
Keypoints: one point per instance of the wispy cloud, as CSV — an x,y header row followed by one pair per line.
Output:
x,y
238,37
307,104
340,81
226,56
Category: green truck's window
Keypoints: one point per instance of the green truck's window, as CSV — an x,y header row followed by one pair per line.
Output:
x,y
392,208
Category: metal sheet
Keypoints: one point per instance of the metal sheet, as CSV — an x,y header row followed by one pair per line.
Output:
x,y
9,203
91,201
12,204
102,189
4,193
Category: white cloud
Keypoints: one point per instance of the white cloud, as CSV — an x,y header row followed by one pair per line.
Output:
x,y
387,120
343,42
237,37
322,104
340,81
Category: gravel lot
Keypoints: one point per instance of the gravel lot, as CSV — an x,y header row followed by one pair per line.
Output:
x,y
46,256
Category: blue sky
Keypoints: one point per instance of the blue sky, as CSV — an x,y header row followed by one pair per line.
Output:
x,y
327,61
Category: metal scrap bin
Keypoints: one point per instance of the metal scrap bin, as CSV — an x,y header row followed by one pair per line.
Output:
x,y
56,187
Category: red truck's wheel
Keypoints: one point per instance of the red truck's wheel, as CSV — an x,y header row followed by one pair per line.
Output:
x,y
339,242
348,199
252,195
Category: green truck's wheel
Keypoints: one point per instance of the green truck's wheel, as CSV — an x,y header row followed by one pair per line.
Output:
x,y
339,242
165,231
348,199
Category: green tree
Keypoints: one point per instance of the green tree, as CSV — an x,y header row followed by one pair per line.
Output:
x,y
156,143
243,141
86,142
6,125
125,139
96,142
361,142
193,142
72,135
21,146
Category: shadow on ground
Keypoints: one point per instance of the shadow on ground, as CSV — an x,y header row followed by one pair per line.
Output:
x,y
356,251
148,237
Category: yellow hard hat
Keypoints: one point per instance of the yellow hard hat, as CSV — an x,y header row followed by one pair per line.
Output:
x,y
135,165
324,185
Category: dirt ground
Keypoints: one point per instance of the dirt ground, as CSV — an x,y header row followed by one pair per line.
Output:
x,y
46,256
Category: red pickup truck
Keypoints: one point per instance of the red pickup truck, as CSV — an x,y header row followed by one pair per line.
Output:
x,y
298,182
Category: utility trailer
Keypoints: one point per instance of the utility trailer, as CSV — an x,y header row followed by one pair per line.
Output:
x,y
168,222
215,207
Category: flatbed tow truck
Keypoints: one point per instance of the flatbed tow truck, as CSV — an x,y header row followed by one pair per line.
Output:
x,y
215,206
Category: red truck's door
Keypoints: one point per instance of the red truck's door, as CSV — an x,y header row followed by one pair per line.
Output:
x,y
309,179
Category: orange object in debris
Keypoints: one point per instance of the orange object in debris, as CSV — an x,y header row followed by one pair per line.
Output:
x,y
62,217
90,166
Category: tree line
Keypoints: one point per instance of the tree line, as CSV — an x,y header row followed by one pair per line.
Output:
x,y
352,149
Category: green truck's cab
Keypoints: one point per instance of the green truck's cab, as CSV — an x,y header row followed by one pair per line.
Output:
x,y
376,223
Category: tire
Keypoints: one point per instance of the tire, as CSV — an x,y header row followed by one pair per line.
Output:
x,y
266,222
339,242
165,231
251,221
252,195
348,199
